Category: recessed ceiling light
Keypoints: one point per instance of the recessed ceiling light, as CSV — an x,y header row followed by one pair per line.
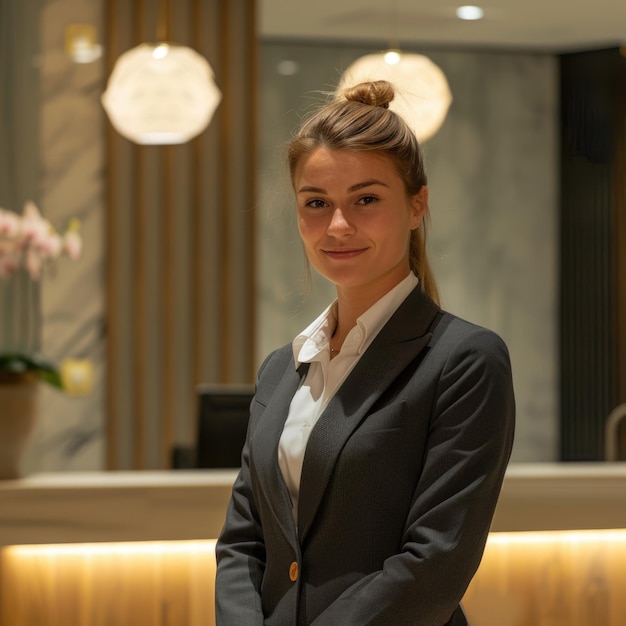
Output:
x,y
287,68
469,12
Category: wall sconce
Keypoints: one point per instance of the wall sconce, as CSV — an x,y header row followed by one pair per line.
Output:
x,y
422,93
81,44
161,94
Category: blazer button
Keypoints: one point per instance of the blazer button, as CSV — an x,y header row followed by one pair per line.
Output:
x,y
293,572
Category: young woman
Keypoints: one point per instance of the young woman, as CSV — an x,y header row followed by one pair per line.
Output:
x,y
379,438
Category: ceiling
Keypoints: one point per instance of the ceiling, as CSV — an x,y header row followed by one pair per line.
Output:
x,y
543,25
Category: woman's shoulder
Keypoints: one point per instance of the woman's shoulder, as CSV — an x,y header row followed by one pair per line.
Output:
x,y
460,334
277,358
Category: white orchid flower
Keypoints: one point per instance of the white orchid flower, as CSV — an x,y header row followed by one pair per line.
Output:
x,y
29,241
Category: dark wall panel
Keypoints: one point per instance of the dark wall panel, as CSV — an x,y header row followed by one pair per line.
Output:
x,y
590,184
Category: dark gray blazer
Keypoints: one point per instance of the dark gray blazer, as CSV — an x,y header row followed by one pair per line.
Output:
x,y
399,483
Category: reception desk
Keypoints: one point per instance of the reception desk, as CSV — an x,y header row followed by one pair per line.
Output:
x,y
137,548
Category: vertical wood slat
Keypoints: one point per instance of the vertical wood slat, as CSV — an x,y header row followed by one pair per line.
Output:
x,y
113,269
169,306
168,368
139,307
159,202
197,327
225,204
251,164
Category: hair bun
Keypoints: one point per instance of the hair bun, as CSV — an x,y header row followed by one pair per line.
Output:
x,y
377,93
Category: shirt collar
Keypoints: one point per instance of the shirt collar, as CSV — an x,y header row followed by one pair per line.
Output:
x,y
315,338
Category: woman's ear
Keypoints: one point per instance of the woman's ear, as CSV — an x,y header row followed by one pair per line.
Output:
x,y
419,204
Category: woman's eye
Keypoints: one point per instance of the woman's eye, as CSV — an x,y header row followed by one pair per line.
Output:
x,y
367,199
315,203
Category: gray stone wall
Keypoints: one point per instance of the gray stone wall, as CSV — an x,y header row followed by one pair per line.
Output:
x,y
493,176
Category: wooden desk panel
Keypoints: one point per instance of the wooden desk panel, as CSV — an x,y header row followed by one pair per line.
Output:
x,y
109,585
525,578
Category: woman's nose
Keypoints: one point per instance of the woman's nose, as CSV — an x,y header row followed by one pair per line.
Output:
x,y
338,223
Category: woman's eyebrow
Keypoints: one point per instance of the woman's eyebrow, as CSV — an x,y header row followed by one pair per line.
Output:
x,y
365,183
310,189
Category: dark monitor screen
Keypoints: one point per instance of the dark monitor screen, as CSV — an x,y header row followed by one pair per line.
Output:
x,y
223,412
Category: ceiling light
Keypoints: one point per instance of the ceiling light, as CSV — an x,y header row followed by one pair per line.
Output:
x,y
161,94
469,12
422,95
287,68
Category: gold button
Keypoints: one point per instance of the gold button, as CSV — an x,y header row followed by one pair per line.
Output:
x,y
293,572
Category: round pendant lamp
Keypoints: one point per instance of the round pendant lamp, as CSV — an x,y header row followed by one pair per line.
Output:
x,y
161,94
422,96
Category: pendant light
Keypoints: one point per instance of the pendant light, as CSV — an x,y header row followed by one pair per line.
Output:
x,y
422,95
161,93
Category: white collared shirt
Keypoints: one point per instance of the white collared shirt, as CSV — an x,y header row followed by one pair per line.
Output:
x,y
325,376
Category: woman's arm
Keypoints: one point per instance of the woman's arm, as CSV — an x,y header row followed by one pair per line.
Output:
x,y
240,551
240,554
469,445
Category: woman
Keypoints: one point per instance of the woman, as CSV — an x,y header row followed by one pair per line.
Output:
x,y
378,440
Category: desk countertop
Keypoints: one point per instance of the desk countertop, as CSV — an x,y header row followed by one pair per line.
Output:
x,y
177,505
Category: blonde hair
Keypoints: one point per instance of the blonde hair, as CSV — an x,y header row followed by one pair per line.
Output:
x,y
360,120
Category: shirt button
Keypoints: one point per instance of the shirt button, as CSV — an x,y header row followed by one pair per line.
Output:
x,y
357,337
293,572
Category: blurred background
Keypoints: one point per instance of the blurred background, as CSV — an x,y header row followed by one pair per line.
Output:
x,y
191,269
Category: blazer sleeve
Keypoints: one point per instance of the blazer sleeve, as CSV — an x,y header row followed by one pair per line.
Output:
x,y
240,554
468,448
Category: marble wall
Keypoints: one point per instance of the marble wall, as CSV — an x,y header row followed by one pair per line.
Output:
x,y
493,176
69,433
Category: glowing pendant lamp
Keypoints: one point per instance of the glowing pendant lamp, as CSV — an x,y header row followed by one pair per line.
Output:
x,y
161,94
422,93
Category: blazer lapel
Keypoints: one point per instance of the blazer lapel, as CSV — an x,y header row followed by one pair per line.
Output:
x,y
264,444
399,342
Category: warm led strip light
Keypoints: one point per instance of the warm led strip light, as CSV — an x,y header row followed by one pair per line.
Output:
x,y
558,536
208,546
109,549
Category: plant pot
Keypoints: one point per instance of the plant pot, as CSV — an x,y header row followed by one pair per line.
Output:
x,y
18,410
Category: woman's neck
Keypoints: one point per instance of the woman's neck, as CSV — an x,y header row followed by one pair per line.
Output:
x,y
350,306
353,302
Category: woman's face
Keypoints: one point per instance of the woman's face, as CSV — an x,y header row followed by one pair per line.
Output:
x,y
355,219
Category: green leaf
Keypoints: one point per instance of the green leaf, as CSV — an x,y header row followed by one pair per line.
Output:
x,y
18,363
52,377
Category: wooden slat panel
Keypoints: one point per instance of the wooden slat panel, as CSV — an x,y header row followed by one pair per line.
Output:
x,y
195,247
168,380
251,168
140,306
225,206
113,268
181,241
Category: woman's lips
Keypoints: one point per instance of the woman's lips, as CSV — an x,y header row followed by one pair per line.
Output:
x,y
347,253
